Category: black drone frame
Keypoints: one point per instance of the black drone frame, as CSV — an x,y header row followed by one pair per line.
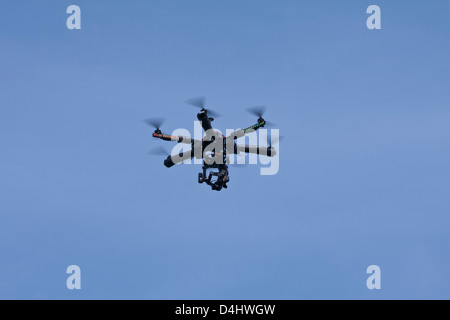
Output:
x,y
218,158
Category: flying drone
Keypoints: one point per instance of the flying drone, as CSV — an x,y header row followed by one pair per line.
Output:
x,y
214,148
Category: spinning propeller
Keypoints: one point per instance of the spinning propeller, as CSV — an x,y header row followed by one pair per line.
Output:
x,y
159,151
259,112
199,102
276,141
155,123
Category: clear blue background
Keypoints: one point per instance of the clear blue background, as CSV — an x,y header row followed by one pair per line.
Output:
x,y
364,169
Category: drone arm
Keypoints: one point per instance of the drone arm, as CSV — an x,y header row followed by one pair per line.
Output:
x,y
242,132
255,126
175,159
179,139
265,151
205,122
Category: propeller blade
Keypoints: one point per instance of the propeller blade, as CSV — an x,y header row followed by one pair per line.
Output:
x,y
276,142
199,102
257,110
155,122
270,124
212,113
159,151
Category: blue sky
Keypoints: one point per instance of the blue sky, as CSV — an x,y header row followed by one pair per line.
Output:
x,y
364,166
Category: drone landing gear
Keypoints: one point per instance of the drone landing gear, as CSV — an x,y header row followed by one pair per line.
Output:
x,y
202,176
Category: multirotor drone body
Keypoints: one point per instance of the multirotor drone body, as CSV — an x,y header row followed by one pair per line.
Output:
x,y
214,149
